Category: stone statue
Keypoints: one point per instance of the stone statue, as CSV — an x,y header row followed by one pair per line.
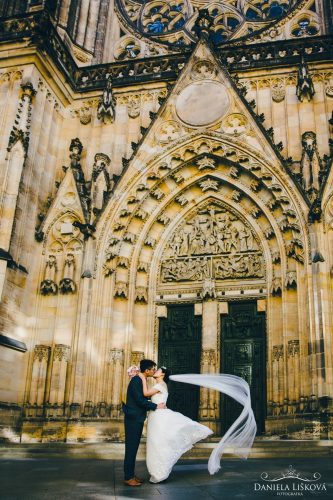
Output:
x,y
311,164
100,184
106,108
304,86
48,286
67,284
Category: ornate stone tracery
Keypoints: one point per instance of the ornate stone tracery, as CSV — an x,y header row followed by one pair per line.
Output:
x,y
176,21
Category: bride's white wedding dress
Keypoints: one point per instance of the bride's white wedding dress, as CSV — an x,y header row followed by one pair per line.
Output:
x,y
169,435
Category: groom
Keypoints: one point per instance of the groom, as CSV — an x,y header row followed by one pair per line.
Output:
x,y
135,411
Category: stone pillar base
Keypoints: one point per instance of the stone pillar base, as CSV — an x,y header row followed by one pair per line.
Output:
x,y
78,431
308,426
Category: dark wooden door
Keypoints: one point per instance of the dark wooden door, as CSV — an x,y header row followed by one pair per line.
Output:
x,y
179,348
243,354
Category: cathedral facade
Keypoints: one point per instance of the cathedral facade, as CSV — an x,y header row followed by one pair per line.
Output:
x,y
166,193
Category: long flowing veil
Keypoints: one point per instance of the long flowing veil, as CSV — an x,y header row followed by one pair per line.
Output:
x,y
241,433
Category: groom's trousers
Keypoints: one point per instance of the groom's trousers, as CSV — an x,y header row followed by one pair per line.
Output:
x,y
133,432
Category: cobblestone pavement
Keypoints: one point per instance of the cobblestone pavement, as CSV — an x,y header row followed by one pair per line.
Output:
x,y
47,478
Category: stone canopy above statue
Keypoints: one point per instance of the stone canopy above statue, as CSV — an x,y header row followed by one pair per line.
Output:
x,y
213,243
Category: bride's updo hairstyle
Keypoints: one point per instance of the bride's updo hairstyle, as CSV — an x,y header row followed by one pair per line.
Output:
x,y
167,374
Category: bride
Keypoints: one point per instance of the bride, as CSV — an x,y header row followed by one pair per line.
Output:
x,y
169,433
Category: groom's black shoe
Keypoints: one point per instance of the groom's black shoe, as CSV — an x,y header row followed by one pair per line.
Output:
x,y
132,482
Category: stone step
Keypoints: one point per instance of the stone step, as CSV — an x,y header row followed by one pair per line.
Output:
x,y
107,451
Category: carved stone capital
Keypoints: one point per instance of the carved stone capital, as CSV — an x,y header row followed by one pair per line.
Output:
x,y
61,352
208,289
117,355
136,357
42,352
277,352
293,348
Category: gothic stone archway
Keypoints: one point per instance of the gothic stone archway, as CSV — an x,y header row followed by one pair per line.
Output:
x,y
213,249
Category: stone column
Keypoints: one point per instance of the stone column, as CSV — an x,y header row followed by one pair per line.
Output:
x,y
61,355
290,332
117,364
39,373
277,380
82,340
63,12
209,402
82,22
90,34
275,349
320,336
208,399
293,374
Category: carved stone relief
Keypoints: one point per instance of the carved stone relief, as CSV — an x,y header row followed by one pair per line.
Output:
x,y
203,70
235,124
168,131
278,91
214,243
64,251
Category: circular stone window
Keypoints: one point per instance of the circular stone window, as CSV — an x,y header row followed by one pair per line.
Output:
x,y
202,103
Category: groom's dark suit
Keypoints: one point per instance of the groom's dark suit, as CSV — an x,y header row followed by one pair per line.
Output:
x,y
135,411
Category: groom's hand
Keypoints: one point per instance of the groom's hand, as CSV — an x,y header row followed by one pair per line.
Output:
x,y
161,406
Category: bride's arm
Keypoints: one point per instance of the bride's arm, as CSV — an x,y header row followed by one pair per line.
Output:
x,y
147,392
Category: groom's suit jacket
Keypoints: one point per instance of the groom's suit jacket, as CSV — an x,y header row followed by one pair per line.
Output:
x,y
137,405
